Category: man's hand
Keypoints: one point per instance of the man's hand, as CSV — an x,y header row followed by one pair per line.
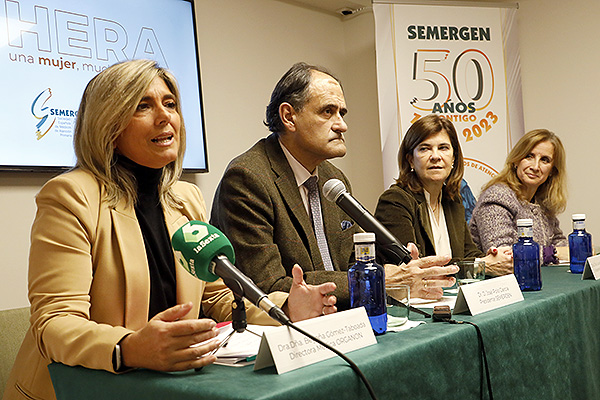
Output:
x,y
163,344
308,301
426,276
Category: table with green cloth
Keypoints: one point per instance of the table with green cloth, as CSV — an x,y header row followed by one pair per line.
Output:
x,y
545,347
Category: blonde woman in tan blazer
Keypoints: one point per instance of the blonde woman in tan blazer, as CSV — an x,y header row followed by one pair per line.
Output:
x,y
100,237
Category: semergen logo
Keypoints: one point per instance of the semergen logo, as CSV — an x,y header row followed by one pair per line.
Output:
x,y
40,111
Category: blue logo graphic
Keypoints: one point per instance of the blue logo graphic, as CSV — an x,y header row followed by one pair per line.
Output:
x,y
41,112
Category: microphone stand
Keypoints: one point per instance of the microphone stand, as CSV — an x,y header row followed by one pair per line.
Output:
x,y
238,313
238,317
238,320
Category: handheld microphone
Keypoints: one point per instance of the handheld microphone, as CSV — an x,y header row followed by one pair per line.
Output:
x,y
204,251
392,250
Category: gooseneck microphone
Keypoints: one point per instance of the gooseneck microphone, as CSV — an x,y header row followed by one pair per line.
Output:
x,y
204,251
392,250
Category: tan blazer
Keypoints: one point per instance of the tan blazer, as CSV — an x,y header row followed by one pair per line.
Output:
x,y
89,284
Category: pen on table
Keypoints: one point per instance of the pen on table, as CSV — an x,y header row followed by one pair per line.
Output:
x,y
223,342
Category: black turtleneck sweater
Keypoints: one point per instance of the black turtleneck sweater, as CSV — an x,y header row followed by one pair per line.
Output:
x,y
149,212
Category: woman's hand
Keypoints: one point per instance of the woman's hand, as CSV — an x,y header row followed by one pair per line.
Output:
x,y
499,261
163,344
426,276
309,301
562,252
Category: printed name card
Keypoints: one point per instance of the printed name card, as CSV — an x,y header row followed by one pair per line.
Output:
x,y
592,268
489,294
288,349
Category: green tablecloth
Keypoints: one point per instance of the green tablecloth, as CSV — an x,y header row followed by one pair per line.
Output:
x,y
545,347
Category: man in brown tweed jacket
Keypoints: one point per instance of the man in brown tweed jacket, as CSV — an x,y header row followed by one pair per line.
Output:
x,y
262,205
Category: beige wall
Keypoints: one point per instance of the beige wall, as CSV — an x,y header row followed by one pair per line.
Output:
x,y
560,63
240,71
247,45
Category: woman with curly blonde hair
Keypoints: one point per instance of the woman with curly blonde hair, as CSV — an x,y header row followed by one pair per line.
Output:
x,y
531,185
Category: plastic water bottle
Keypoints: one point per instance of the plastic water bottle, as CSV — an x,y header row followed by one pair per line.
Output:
x,y
526,256
366,281
580,244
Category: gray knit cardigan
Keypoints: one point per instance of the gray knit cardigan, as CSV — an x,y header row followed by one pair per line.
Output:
x,y
494,221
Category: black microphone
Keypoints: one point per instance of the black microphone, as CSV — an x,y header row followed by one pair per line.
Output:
x,y
204,251
391,248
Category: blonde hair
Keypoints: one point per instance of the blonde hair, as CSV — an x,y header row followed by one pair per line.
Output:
x,y
551,194
419,131
107,105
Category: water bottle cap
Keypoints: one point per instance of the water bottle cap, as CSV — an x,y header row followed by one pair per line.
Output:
x,y
364,237
578,217
524,222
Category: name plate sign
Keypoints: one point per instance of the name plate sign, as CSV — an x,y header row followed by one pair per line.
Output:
x,y
592,268
288,349
486,295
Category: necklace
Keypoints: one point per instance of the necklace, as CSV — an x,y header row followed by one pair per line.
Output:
x,y
433,205
435,211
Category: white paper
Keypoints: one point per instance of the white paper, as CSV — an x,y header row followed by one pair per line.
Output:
x,y
243,344
426,303
408,325
241,348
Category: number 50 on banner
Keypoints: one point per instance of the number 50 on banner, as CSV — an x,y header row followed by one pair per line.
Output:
x,y
463,85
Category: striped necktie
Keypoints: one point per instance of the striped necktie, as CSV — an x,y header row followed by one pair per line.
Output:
x,y
317,218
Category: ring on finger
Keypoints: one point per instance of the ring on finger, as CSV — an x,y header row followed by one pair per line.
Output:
x,y
425,283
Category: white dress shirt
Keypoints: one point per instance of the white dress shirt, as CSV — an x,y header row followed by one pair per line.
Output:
x,y
301,174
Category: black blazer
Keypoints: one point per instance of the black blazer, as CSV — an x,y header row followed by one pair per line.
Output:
x,y
405,214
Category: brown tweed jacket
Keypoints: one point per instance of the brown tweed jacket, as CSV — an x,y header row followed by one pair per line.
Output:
x,y
258,206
